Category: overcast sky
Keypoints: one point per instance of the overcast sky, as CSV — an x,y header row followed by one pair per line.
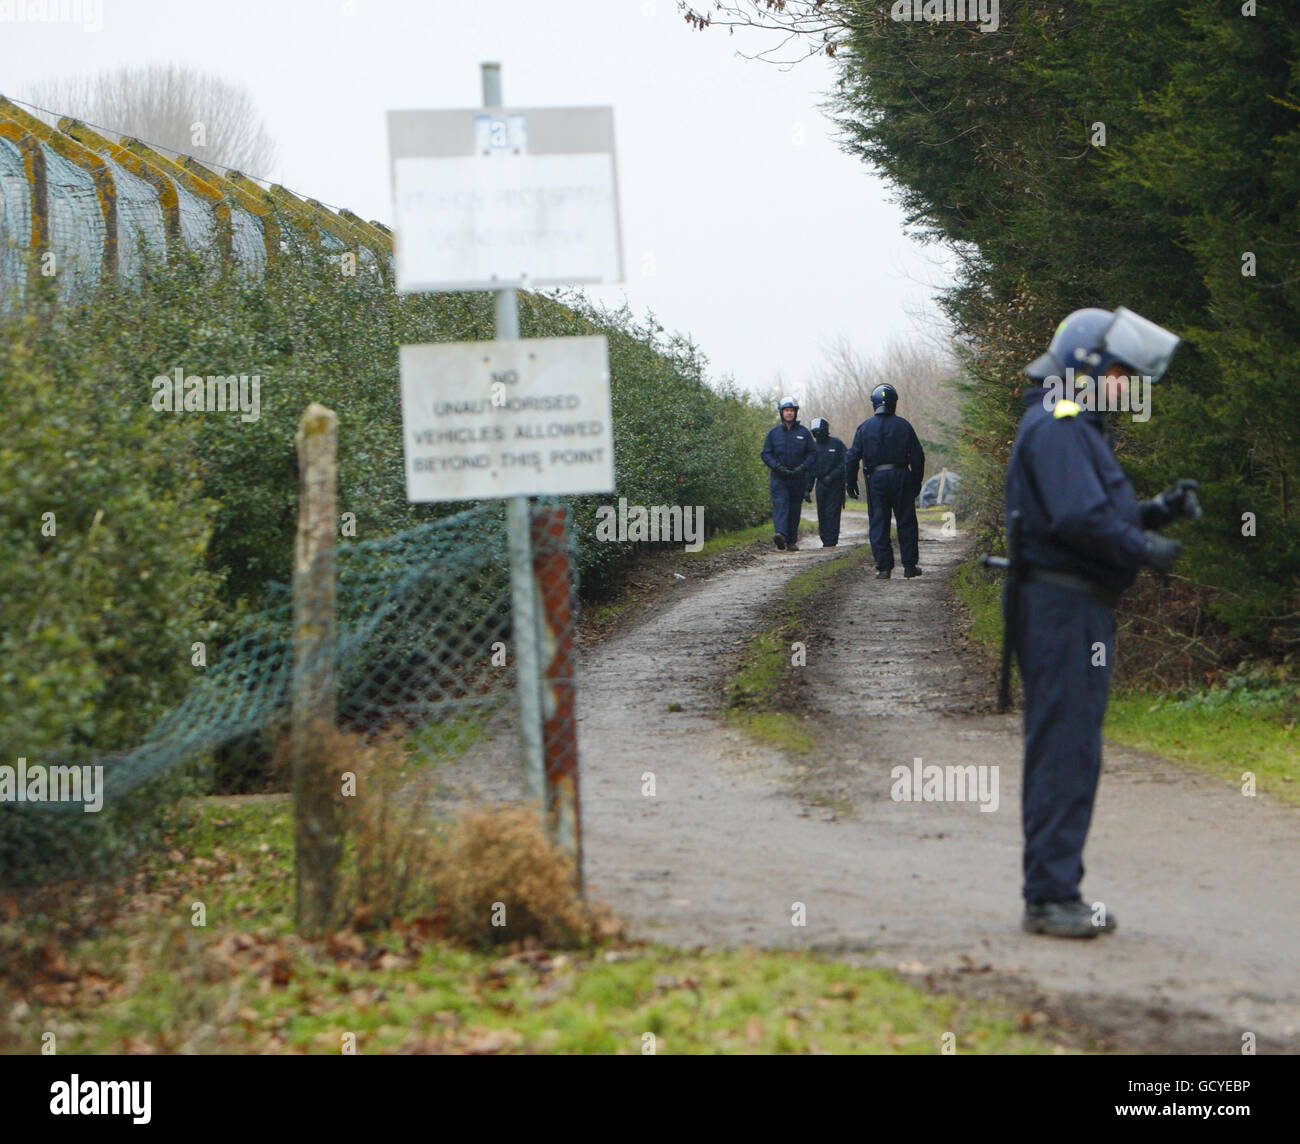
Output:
x,y
743,223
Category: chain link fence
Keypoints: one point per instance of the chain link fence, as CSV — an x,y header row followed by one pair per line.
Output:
x,y
423,657
80,203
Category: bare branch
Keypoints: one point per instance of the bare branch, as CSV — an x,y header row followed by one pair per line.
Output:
x,y
818,26
175,109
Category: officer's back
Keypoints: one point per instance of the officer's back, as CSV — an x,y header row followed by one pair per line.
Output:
x,y
1062,464
884,441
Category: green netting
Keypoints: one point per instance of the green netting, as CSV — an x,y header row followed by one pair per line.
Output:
x,y
15,222
423,623
417,615
423,628
421,616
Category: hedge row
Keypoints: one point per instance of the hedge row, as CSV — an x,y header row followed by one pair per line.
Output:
x,y
166,528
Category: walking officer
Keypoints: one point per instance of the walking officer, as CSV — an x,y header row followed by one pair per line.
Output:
x,y
791,454
829,479
1079,536
894,464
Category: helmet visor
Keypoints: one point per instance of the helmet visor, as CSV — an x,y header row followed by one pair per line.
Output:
x,y
1043,367
1140,343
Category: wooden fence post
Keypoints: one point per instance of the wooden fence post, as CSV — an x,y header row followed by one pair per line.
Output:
x,y
317,842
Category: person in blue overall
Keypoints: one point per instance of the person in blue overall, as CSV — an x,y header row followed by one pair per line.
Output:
x,y
1081,535
791,455
894,463
829,480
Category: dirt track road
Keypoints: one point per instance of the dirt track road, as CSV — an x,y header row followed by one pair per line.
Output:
x,y
1204,883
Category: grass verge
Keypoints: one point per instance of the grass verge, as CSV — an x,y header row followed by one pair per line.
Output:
x,y
740,538
1247,726
1224,734
766,672
142,978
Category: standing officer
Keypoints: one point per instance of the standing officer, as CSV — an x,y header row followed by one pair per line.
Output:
x,y
791,454
894,464
1080,543
829,479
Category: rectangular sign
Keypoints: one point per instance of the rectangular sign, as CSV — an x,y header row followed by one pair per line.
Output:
x,y
498,198
507,418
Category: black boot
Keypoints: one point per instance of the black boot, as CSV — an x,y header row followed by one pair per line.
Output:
x,y
910,570
779,541
1066,919
883,573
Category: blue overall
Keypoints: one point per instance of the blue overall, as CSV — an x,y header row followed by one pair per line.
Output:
x,y
887,439
1079,517
790,447
829,479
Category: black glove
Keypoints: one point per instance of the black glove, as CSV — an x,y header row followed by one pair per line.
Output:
x,y
1178,502
782,471
1162,552
808,496
852,491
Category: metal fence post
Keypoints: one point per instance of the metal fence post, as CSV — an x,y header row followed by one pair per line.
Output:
x,y
317,845
524,624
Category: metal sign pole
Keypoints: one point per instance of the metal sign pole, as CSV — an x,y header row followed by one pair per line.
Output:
x,y
528,658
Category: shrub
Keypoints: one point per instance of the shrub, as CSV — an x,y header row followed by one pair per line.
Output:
x,y
491,877
104,597
171,528
499,864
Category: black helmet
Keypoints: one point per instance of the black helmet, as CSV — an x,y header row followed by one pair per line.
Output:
x,y
1090,341
884,398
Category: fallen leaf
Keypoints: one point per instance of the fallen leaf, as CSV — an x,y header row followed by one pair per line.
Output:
x,y
479,1039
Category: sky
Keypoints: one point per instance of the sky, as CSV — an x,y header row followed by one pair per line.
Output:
x,y
744,223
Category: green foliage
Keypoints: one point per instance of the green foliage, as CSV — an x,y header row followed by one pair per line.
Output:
x,y
170,528
677,440
1250,687
98,617
311,334
103,599
993,141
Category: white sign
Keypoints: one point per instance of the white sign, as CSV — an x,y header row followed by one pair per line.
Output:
x,y
502,419
488,200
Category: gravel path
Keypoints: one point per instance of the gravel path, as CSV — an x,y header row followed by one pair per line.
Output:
x,y
1205,883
